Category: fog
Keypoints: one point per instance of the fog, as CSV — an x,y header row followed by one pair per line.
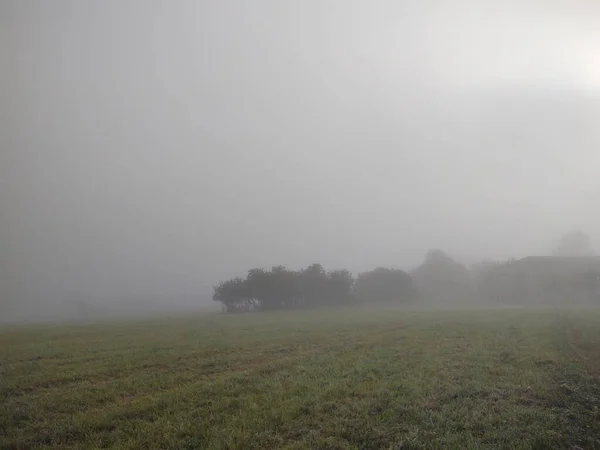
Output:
x,y
149,149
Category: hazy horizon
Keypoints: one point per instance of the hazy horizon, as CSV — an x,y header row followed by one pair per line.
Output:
x,y
151,148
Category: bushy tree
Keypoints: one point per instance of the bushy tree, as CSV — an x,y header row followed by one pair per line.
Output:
x,y
341,283
440,278
313,285
234,295
385,286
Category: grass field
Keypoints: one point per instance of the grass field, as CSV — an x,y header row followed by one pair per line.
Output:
x,y
312,380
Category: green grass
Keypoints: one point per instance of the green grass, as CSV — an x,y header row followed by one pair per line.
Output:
x,y
310,380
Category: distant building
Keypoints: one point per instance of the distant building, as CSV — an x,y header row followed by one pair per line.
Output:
x,y
544,281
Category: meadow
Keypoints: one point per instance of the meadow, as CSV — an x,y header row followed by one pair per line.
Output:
x,y
335,379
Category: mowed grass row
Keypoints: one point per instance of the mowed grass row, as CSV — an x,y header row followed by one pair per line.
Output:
x,y
322,379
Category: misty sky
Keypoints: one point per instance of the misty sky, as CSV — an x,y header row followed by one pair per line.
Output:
x,y
151,148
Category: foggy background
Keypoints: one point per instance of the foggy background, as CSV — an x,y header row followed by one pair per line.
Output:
x,y
149,149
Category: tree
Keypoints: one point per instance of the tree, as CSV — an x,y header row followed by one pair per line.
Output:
x,y
340,286
385,286
262,286
234,295
283,287
574,243
313,285
442,278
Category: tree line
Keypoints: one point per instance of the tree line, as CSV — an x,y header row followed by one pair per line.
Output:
x,y
280,288
571,273
313,286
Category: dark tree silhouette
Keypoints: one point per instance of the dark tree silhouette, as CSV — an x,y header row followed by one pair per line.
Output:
x,y
281,288
234,295
385,286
